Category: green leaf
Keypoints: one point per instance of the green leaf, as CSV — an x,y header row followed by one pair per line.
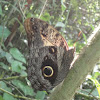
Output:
x,y
25,88
29,15
63,7
60,24
4,86
2,53
9,57
17,66
4,66
92,26
84,37
40,95
8,97
95,92
96,82
87,91
23,73
1,10
4,32
96,74
17,55
1,98
46,17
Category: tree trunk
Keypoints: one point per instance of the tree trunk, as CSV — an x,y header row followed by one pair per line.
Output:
x,y
84,64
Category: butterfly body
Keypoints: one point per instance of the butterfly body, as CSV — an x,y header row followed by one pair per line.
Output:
x,y
49,60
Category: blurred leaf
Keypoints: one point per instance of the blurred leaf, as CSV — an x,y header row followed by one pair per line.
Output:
x,y
46,17
96,74
95,81
40,95
2,53
4,32
63,7
84,91
1,10
4,66
92,26
4,86
98,88
29,15
60,24
95,92
79,46
1,98
75,4
87,91
25,88
17,55
8,97
17,66
84,37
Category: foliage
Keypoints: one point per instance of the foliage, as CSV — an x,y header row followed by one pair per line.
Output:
x,y
70,17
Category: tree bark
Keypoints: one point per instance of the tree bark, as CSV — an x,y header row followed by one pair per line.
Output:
x,y
83,64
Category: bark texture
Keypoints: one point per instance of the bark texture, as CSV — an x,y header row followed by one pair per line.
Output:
x,y
84,64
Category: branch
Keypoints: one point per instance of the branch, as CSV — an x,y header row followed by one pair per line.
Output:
x,y
83,64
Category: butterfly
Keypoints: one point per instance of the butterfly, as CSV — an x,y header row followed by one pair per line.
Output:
x,y
49,55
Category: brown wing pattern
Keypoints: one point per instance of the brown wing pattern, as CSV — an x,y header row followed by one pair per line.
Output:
x,y
49,34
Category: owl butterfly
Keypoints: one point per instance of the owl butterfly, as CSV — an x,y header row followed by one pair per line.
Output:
x,y
49,55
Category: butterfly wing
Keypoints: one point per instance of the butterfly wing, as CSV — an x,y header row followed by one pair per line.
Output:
x,y
49,56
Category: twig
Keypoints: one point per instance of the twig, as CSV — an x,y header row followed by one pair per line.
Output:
x,y
13,77
14,87
43,8
16,96
66,21
21,9
87,96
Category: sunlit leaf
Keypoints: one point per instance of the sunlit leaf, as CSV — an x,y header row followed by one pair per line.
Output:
x,y
95,81
96,74
98,88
